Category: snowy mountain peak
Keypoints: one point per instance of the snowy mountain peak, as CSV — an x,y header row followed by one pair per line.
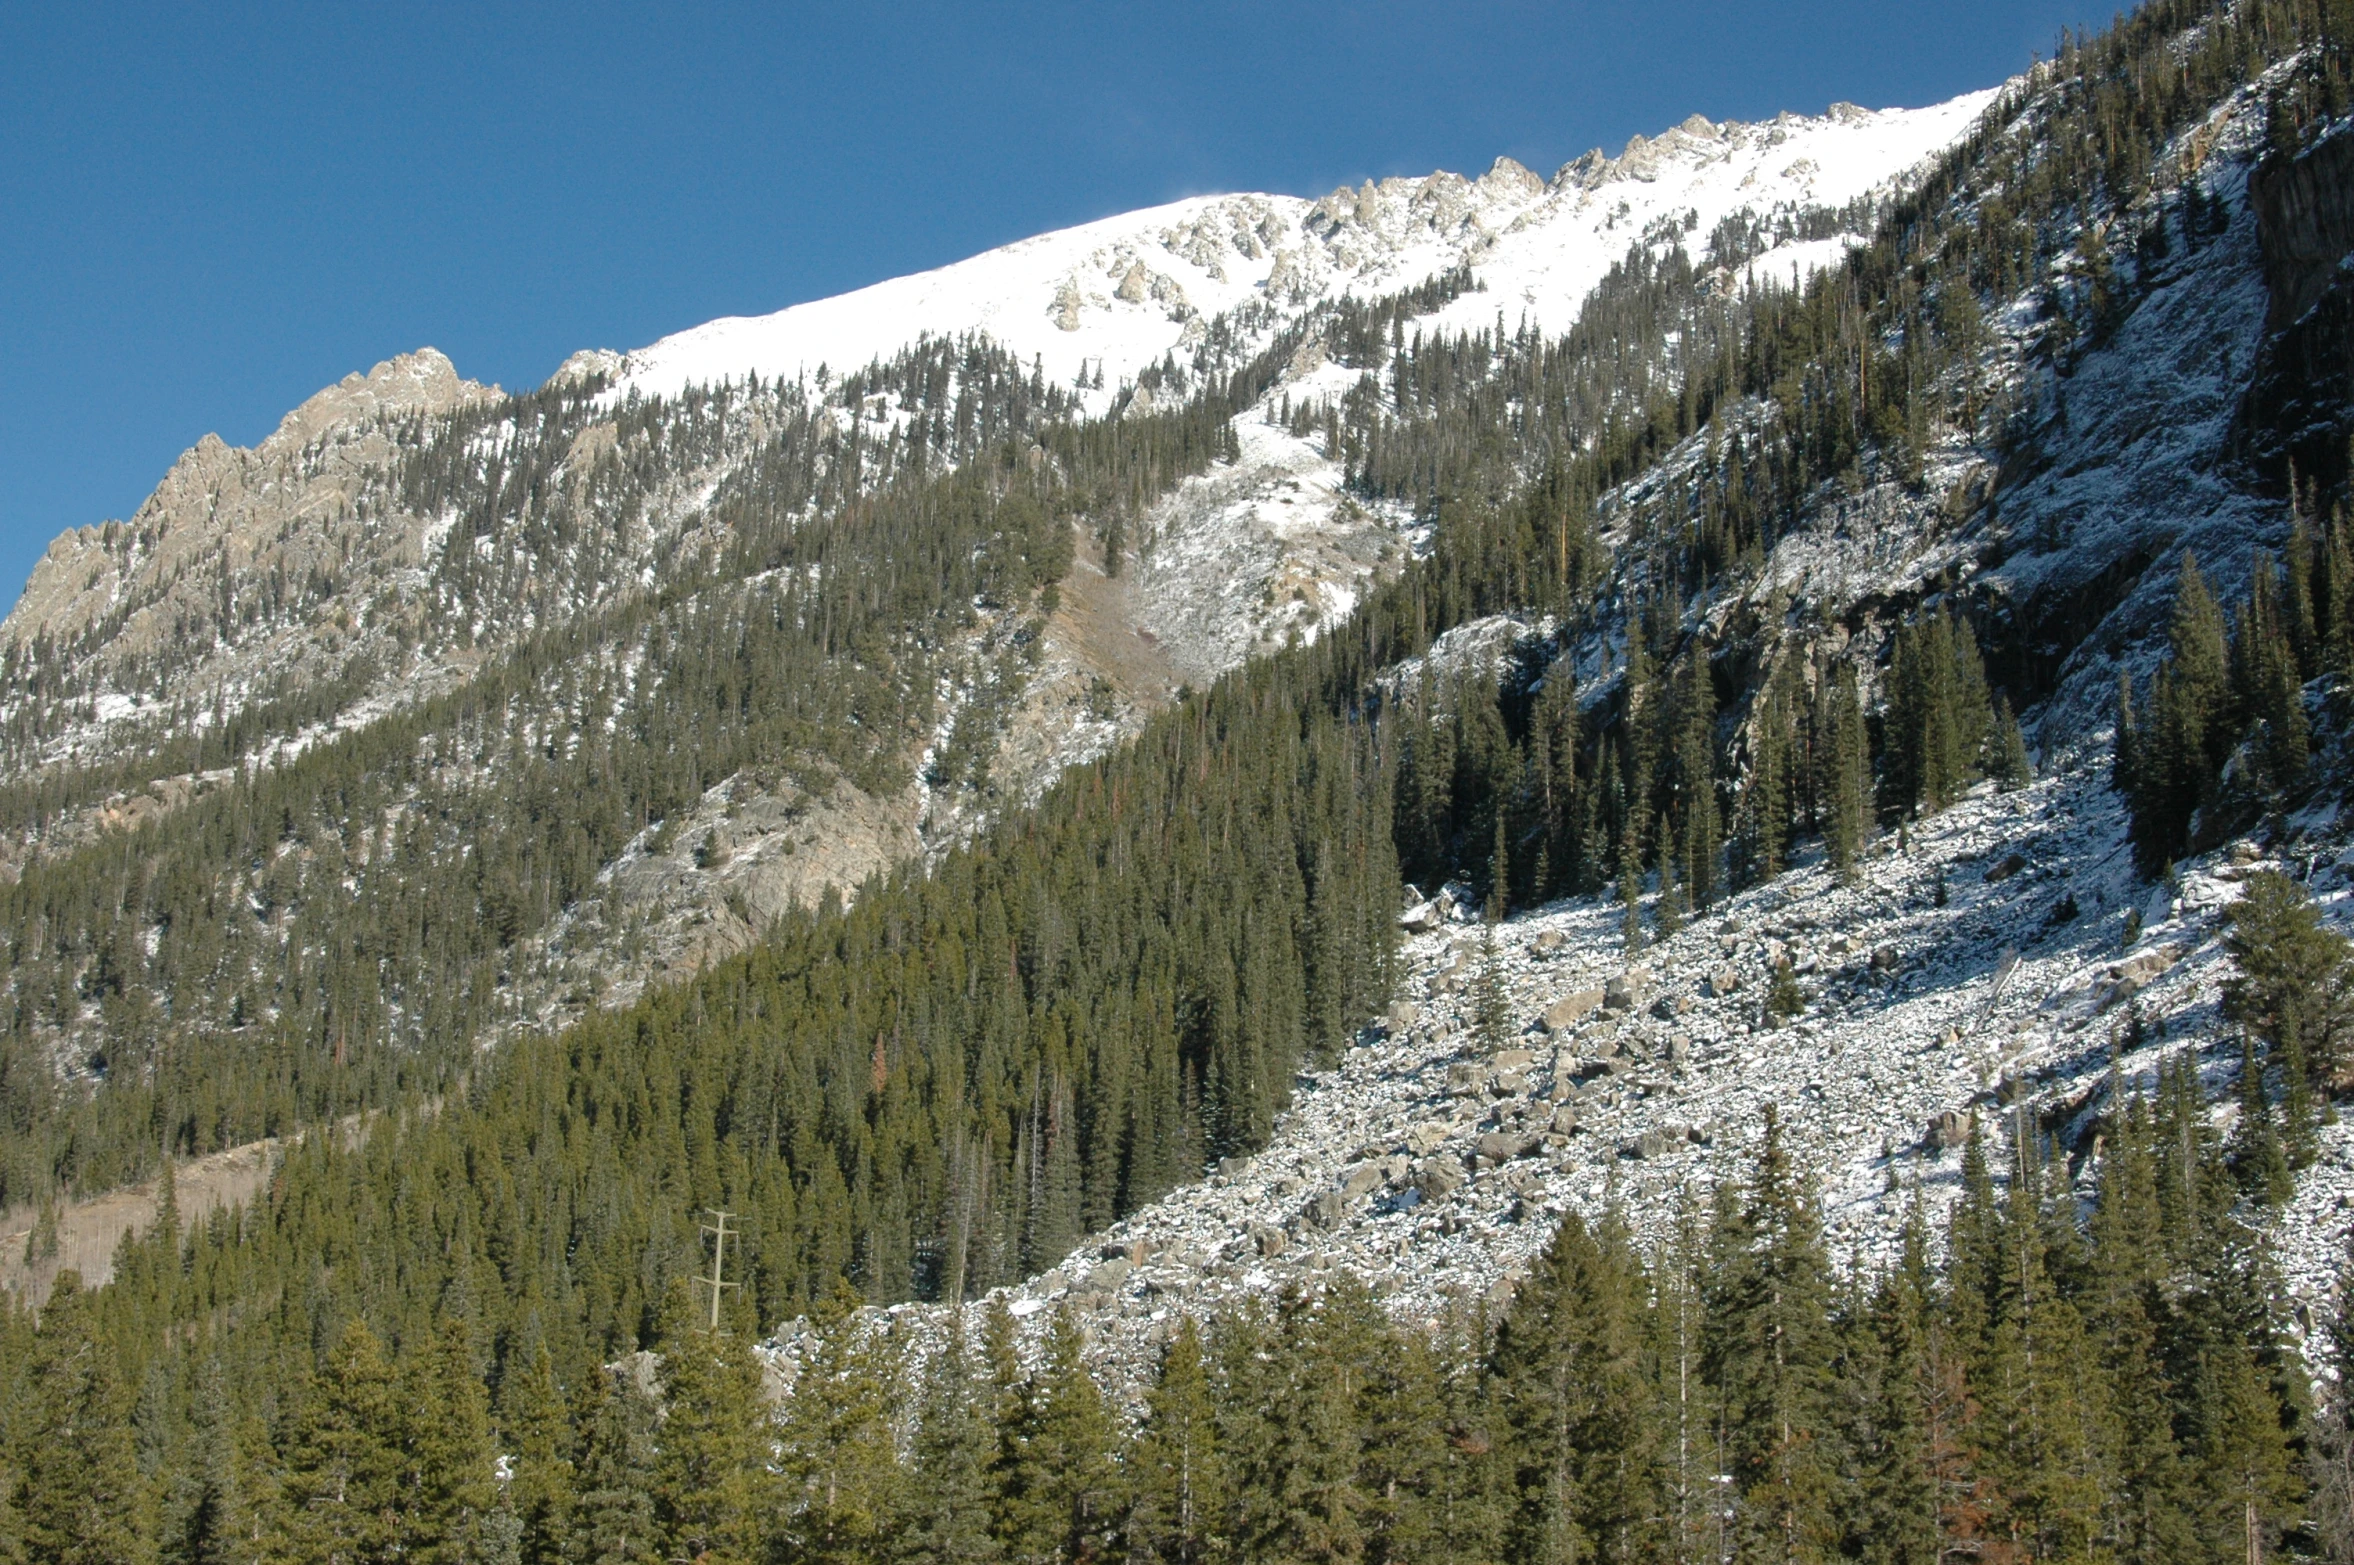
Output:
x,y
1100,302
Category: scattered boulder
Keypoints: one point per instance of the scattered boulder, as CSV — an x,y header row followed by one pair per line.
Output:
x,y
1549,942
1108,1277
1426,1138
1464,1078
1884,959
1948,1130
1564,1121
2121,981
1625,991
1363,1179
1566,1012
1513,1059
1437,1178
2143,966
1723,981
1650,1144
1267,1239
2010,864
1661,1140
1499,1146
1325,1209
1401,1015
1422,918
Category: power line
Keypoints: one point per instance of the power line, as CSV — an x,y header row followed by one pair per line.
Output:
x,y
718,1230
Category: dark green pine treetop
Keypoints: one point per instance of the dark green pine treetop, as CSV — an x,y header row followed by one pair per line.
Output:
x,y
612,1521
949,1496
1178,1475
81,1499
1571,1383
1772,1353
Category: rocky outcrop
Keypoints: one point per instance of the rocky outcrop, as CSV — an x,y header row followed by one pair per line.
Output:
x,y
2300,402
588,364
2304,223
276,565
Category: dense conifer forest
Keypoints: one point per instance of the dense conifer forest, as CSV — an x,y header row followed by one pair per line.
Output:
x,y
423,1341
2111,1383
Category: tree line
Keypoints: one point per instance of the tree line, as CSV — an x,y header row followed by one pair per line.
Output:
x,y
2036,1377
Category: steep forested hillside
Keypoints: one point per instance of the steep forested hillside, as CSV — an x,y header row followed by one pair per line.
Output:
x,y
1783,571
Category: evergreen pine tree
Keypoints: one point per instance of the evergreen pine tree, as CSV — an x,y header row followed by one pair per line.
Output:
x,y
1630,896
2257,1156
1178,1473
540,1439
1491,1010
1499,871
81,1499
1772,1353
1887,1378
845,1496
2295,989
1784,999
2297,598
613,1522
1057,1491
712,1453
448,1482
1305,1494
949,1502
2248,1482
2336,630
2332,1457
344,1468
2007,761
1847,787
2126,721
1766,801
2128,1269
2179,750
208,1520
1572,1390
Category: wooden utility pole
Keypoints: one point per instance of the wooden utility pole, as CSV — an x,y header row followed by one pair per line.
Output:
x,y
718,1230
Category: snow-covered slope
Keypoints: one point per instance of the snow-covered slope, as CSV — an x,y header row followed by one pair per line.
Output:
x,y
1108,298
1998,961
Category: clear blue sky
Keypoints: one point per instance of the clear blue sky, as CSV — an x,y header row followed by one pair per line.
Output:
x,y
206,217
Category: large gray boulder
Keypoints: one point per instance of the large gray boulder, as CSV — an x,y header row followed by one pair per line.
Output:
x,y
1566,1012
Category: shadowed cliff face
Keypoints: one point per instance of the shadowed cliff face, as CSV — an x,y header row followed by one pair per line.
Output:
x,y
2305,217
2296,409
